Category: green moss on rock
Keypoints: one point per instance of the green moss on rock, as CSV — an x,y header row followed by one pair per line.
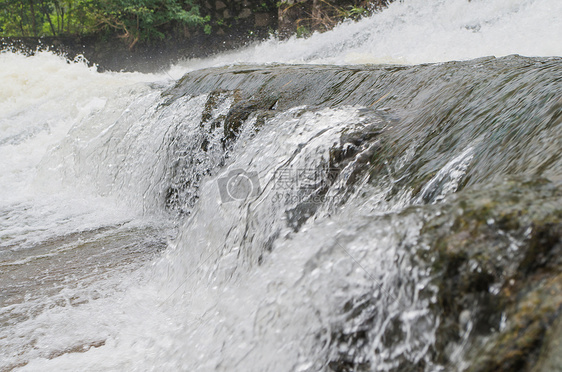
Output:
x,y
495,255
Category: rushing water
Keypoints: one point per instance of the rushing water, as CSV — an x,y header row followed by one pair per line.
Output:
x,y
126,242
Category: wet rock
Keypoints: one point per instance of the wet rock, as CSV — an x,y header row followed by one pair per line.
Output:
x,y
551,356
195,154
241,111
495,255
349,160
356,150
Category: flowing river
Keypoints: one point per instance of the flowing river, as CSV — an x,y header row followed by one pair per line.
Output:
x,y
297,205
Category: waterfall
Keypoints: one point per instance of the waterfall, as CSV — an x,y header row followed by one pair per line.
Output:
x,y
359,200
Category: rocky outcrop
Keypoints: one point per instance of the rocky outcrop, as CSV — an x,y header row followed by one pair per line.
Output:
x,y
305,16
240,16
497,260
492,250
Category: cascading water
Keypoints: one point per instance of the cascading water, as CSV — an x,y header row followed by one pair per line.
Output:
x,y
278,217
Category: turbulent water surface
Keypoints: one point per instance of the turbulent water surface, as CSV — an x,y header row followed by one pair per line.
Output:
x,y
268,210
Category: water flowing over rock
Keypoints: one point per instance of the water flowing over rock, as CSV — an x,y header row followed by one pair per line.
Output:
x,y
282,217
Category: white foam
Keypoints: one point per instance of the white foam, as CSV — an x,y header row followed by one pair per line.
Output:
x,y
417,31
41,99
52,112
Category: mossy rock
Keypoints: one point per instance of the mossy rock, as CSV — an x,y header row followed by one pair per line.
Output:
x,y
496,257
530,315
550,358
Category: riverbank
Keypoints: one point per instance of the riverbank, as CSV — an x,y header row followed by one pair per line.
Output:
x,y
114,55
229,24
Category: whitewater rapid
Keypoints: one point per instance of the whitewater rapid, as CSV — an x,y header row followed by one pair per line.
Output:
x,y
414,32
99,274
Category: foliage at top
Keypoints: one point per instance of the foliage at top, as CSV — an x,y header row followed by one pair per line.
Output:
x,y
149,20
133,20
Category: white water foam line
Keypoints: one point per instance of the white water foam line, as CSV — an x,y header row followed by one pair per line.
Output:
x,y
414,32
